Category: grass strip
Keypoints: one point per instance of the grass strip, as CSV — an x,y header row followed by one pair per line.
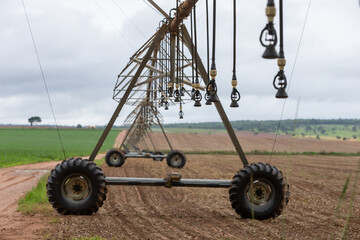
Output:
x,y
35,200
350,208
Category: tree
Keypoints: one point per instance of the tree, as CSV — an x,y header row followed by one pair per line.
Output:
x,y
79,126
33,120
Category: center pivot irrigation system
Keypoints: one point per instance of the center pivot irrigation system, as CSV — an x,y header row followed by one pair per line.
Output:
x,y
167,71
141,119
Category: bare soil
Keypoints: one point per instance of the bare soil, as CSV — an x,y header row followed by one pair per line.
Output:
x,y
192,213
130,212
250,142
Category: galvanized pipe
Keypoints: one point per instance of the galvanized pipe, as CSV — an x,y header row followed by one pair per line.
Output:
x,y
184,11
132,181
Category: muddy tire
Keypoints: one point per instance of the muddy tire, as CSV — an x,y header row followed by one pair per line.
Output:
x,y
259,191
77,187
176,159
115,158
158,158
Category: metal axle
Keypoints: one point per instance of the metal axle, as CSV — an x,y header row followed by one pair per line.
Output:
x,y
208,183
144,155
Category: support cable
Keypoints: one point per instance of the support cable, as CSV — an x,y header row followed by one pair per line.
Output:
x,y
43,78
153,8
114,25
129,18
291,75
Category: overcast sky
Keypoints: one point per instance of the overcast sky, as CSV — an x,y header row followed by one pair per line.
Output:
x,y
83,45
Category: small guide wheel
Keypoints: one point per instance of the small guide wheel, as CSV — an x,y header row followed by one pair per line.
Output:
x,y
115,158
176,159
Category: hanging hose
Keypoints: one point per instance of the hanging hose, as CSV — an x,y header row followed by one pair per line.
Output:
x,y
235,95
182,90
197,94
211,88
192,59
176,93
206,96
280,81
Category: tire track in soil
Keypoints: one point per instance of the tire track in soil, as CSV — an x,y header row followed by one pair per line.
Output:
x,y
147,206
16,183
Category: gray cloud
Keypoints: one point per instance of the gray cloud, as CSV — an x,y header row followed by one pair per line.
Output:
x,y
82,51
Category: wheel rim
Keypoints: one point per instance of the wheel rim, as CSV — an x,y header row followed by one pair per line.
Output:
x,y
260,192
76,187
115,157
176,160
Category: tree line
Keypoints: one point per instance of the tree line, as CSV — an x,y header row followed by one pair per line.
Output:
x,y
269,125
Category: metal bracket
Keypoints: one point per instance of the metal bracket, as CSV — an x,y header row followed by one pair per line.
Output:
x,y
171,178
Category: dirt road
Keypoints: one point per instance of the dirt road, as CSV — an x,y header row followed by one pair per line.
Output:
x,y
14,183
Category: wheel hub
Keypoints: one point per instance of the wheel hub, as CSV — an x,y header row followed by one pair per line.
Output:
x,y
76,187
114,157
259,192
176,160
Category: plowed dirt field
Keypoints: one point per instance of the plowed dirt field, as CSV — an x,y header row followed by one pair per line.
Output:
x,y
192,213
251,142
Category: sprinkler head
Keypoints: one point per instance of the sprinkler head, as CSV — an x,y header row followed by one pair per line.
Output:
x,y
281,93
234,104
270,52
197,104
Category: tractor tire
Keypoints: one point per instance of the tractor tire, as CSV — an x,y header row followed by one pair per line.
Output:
x,y
176,159
77,187
115,158
259,191
158,158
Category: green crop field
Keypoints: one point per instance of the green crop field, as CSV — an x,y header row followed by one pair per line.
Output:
x,y
29,145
